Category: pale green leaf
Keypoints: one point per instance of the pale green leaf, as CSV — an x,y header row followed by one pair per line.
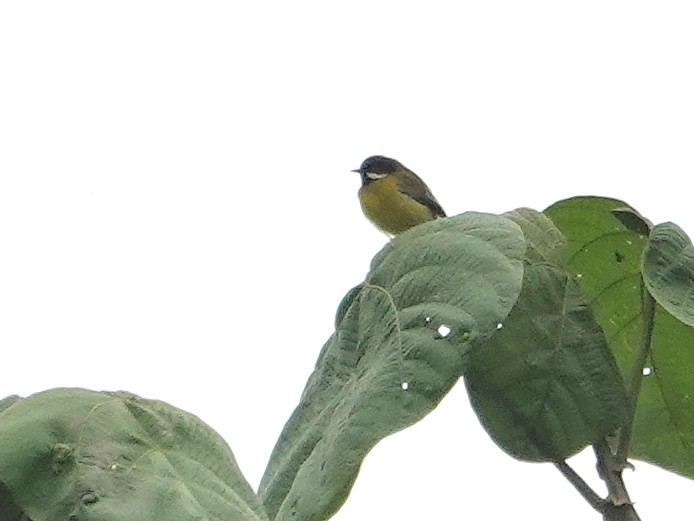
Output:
x,y
402,340
96,456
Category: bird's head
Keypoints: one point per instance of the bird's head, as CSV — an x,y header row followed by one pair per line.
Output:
x,y
377,167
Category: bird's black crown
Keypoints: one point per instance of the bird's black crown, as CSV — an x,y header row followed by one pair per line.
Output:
x,y
379,165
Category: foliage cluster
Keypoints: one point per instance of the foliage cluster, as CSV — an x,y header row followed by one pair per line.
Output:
x,y
571,327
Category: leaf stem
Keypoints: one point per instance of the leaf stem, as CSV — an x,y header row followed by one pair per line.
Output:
x,y
637,376
617,506
593,499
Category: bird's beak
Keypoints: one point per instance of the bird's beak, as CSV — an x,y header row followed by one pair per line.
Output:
x,y
358,170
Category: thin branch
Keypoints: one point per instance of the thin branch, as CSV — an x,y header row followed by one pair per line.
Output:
x,y
637,376
593,499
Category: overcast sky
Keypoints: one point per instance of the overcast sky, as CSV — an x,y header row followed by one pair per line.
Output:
x,y
178,219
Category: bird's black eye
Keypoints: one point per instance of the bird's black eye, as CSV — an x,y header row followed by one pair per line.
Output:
x,y
365,166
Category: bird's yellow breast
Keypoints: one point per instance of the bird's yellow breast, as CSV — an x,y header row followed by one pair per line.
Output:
x,y
391,210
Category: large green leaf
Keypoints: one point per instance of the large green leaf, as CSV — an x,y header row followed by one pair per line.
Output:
x,y
402,340
607,253
664,428
546,385
605,256
668,270
96,456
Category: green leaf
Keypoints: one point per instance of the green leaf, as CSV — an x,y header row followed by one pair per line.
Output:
x,y
605,256
664,429
544,242
6,402
546,385
633,220
402,340
664,424
97,456
668,270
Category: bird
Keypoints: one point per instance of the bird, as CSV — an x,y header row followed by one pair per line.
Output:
x,y
393,197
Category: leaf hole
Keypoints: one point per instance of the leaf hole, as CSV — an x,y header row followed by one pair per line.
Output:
x,y
404,386
499,325
443,330
427,320
579,275
647,371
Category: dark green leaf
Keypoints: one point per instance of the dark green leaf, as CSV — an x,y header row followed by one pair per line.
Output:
x,y
401,342
668,270
546,385
633,220
9,511
95,456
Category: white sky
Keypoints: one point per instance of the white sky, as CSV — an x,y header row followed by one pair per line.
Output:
x,y
178,219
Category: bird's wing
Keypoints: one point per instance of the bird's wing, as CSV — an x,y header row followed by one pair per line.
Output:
x,y
421,193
